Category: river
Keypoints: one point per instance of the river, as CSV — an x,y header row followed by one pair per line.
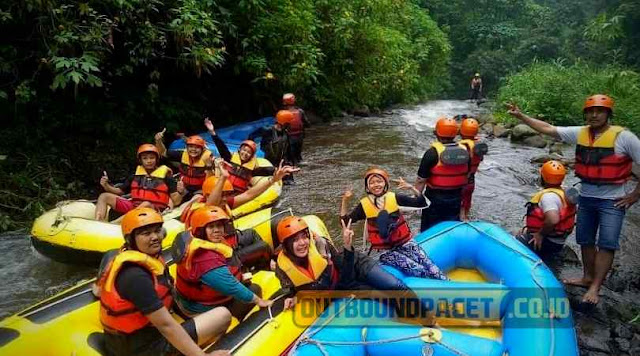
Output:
x,y
336,154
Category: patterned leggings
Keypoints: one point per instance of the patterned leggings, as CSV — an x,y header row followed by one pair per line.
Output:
x,y
411,259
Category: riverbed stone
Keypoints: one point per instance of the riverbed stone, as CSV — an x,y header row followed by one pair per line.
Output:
x,y
591,340
362,111
534,141
487,128
500,131
522,131
556,148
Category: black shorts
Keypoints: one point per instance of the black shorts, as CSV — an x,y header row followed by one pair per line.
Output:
x,y
145,342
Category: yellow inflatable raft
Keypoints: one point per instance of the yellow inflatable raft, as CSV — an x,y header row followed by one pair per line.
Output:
x,y
68,323
69,234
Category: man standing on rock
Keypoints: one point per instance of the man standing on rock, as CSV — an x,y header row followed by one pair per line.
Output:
x,y
604,155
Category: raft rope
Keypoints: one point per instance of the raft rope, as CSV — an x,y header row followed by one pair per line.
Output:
x,y
538,262
307,339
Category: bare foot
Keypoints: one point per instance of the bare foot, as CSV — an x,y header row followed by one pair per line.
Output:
x,y
591,296
580,282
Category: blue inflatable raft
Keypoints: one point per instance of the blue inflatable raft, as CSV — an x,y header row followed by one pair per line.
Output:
x,y
501,300
231,135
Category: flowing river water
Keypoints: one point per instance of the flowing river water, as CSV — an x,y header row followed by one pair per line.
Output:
x,y
336,154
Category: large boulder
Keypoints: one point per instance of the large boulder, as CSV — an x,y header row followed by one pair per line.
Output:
x,y
500,131
534,141
485,118
362,111
487,128
521,132
556,148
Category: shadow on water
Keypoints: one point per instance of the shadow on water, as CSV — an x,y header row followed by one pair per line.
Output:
x,y
336,155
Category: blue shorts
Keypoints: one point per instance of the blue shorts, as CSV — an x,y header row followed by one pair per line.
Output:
x,y
599,215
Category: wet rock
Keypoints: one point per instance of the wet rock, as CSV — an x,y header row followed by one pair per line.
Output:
x,y
553,156
592,339
635,341
623,344
522,131
534,141
568,255
556,148
500,131
622,331
486,118
362,111
487,129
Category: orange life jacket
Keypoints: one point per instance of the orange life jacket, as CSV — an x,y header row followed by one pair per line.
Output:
x,y
535,215
188,282
475,158
118,314
399,232
194,172
448,176
151,187
241,173
596,160
296,125
321,273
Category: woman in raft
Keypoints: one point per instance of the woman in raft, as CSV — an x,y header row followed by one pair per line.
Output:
x,y
386,227
311,262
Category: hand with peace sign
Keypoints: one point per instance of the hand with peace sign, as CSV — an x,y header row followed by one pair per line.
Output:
x,y
402,184
347,235
283,171
180,187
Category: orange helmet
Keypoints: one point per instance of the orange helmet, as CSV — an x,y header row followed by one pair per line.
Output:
x,y
376,171
553,172
290,226
206,215
284,117
446,127
147,147
139,217
196,141
288,99
598,100
252,145
210,182
469,127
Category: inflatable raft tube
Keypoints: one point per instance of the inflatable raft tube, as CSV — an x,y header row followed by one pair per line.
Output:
x,y
69,234
528,313
68,323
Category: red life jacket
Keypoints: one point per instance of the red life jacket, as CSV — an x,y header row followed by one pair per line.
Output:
x,y
151,187
118,314
535,215
296,125
400,232
449,176
321,273
475,159
188,282
194,172
596,160
241,173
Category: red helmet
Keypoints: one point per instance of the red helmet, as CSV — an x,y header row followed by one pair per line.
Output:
x,y
469,128
252,145
446,128
553,172
196,141
147,147
290,226
376,171
284,117
600,100
288,99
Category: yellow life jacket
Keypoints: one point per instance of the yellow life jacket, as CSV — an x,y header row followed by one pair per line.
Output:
x,y
317,264
194,172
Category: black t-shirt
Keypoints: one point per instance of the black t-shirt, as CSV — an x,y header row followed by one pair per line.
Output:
x,y
429,160
168,180
135,284
358,214
226,155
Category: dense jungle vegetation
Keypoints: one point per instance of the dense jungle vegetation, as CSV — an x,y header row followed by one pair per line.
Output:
x,y
82,83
